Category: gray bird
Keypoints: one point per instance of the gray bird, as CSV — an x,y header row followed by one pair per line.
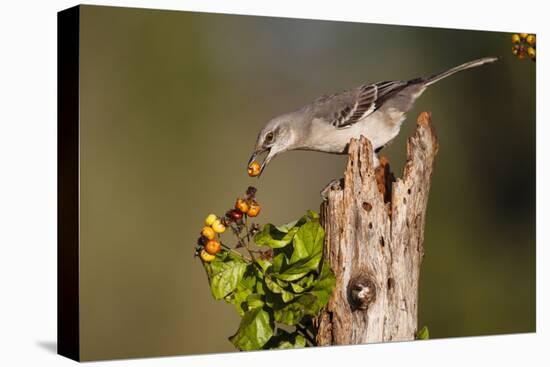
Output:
x,y
375,111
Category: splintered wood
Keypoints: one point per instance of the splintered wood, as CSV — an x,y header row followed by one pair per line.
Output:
x,y
374,242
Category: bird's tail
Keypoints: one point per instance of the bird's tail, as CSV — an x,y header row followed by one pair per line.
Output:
x,y
472,64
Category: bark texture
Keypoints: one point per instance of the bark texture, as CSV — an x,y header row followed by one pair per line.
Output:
x,y
374,242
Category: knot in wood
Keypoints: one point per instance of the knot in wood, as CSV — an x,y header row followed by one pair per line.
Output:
x,y
362,292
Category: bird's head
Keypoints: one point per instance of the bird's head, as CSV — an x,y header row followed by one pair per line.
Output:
x,y
276,137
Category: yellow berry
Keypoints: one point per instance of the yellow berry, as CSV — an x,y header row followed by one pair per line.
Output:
x,y
531,39
515,38
515,50
210,219
218,226
208,232
531,52
206,257
523,36
212,247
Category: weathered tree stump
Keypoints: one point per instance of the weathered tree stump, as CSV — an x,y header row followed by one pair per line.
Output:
x,y
374,242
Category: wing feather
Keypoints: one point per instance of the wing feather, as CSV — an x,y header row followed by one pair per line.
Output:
x,y
342,110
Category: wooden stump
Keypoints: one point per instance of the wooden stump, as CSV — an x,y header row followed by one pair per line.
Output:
x,y
374,242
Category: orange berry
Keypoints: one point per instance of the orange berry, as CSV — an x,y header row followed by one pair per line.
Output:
x,y
242,205
254,210
212,247
254,169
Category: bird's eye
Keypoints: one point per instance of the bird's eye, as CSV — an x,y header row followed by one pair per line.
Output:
x,y
269,137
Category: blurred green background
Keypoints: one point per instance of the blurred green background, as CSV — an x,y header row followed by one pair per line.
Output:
x,y
171,103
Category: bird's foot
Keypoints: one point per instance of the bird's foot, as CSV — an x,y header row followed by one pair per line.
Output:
x,y
335,184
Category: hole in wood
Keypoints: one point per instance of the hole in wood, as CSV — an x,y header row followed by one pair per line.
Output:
x,y
367,206
391,283
370,225
361,292
404,200
382,242
408,191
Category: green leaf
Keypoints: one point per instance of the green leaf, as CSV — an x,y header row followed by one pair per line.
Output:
x,y
254,301
276,288
278,262
323,287
254,331
272,237
300,269
245,288
305,253
293,312
226,278
298,342
264,264
282,283
308,242
287,227
308,303
221,258
303,284
423,334
285,340
260,288
312,214
238,299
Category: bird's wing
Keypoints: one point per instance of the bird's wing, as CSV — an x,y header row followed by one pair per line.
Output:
x,y
342,110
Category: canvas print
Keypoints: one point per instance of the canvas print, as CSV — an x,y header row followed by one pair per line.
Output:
x,y
233,183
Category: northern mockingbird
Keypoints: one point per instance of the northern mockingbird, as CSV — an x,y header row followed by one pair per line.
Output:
x,y
375,111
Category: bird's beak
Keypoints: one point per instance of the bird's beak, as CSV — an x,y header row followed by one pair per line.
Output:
x,y
270,155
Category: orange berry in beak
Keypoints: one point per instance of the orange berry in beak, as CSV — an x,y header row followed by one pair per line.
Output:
x,y
254,169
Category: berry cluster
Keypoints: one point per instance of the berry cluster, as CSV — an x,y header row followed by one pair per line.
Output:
x,y
524,45
208,245
236,219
